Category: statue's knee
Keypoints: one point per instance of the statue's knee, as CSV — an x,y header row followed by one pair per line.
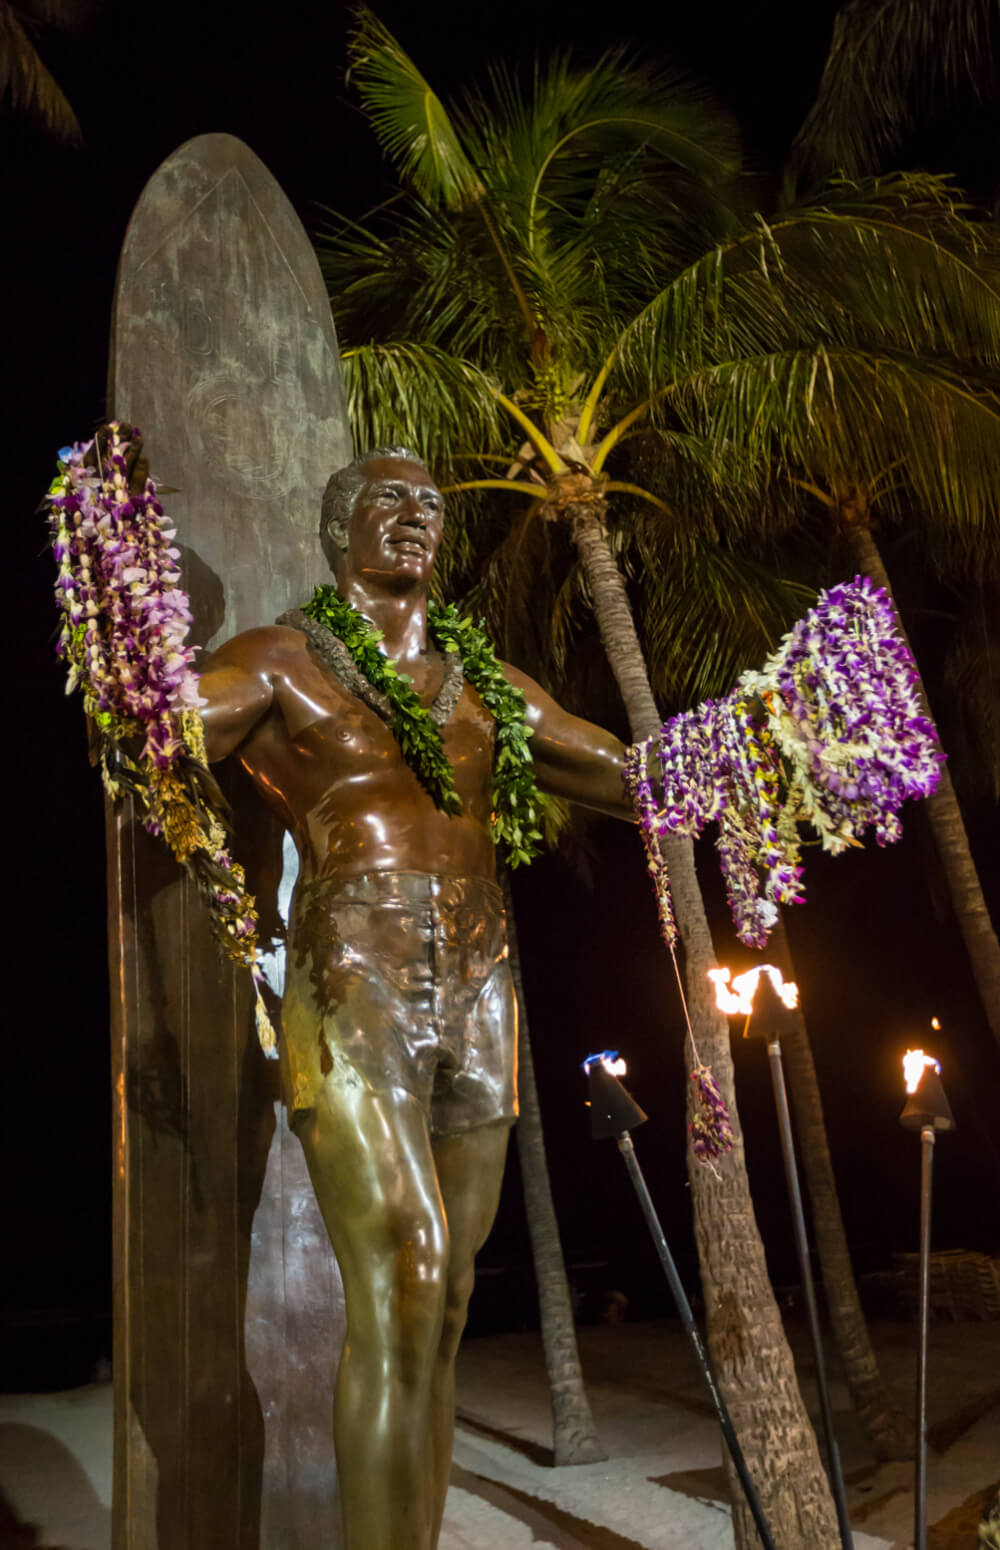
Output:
x,y
417,1312
409,1282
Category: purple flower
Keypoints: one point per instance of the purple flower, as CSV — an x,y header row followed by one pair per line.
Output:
x,y
843,742
711,1127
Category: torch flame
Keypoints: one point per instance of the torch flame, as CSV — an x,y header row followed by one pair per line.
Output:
x,y
610,1060
744,987
914,1064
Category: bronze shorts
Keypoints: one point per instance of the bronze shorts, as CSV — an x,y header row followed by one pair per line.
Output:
x,y
401,980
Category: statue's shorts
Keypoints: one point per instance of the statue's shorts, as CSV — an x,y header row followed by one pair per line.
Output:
x,y
400,982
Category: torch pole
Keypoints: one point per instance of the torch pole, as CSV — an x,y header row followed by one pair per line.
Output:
x,y
920,1474
809,1290
691,1330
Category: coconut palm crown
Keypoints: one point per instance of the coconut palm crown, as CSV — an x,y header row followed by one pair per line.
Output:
x,y
570,302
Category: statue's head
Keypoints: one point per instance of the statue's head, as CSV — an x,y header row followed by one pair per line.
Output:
x,y
382,513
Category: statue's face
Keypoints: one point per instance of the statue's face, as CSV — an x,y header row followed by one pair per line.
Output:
x,y
396,525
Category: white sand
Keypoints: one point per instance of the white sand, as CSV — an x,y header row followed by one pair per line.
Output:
x,y
653,1419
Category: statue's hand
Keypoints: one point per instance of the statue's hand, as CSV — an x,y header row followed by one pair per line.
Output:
x,y
136,466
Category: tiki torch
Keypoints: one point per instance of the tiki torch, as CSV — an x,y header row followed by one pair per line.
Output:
x,y
768,1003
613,1112
927,1110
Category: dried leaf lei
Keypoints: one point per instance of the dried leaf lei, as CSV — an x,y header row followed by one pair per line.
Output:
x,y
829,733
517,801
125,621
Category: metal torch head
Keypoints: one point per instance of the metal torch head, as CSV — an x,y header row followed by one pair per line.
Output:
x,y
612,1110
927,1104
771,1018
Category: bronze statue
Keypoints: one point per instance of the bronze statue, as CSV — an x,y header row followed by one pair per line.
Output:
x,y
398,1044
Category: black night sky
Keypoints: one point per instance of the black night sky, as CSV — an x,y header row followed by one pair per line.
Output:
x,y
877,951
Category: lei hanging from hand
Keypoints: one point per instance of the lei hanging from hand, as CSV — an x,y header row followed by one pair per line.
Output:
x,y
517,801
830,733
125,621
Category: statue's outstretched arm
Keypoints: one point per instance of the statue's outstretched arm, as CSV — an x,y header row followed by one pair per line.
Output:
x,y
573,758
239,685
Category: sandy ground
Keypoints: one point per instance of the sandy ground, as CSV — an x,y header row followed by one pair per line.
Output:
x,y
661,1489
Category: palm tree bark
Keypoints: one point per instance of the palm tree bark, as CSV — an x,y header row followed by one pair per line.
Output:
x,y
745,1334
889,1430
574,1438
946,823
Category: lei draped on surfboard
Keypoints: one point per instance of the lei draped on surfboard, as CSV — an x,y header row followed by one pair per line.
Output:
x,y
123,637
831,733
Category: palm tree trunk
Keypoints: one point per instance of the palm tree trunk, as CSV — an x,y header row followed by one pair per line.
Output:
x,y
947,826
745,1333
889,1430
574,1439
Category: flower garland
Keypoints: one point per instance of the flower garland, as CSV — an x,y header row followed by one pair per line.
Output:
x,y
125,621
711,1128
830,732
517,802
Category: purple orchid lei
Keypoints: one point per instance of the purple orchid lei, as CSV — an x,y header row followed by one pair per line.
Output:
x,y
711,1128
830,733
125,620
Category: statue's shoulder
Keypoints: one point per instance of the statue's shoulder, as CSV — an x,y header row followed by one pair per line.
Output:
x,y
265,648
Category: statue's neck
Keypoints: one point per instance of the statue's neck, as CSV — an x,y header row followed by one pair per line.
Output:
x,y
401,616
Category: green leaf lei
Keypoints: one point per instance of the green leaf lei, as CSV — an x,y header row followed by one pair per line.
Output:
x,y
517,801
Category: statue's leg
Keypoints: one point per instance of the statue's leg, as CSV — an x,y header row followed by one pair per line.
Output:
x,y
470,1173
373,1171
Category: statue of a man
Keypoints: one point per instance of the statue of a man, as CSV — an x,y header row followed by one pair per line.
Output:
x,y
398,1047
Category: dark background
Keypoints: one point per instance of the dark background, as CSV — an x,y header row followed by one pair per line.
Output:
x,y
875,959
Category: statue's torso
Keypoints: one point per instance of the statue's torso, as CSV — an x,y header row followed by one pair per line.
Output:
x,y
335,773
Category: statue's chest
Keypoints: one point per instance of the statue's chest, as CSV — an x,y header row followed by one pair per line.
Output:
x,y
341,737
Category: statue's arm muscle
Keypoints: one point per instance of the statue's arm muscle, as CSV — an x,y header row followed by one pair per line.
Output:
x,y
239,684
573,758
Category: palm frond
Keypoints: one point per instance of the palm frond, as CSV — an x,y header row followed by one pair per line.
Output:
x,y
73,16
575,118
409,119
422,397
414,276
26,86
843,415
890,63
899,258
892,261
709,615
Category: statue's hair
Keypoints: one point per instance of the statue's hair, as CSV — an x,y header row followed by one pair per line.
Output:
x,y
341,493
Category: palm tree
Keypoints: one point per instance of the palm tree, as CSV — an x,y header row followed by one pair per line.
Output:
x,y
563,468
771,340
854,510
892,63
26,85
574,1437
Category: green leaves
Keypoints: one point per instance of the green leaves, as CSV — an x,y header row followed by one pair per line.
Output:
x,y
594,258
890,262
533,217
421,396
417,734
914,429
409,119
889,62
517,802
